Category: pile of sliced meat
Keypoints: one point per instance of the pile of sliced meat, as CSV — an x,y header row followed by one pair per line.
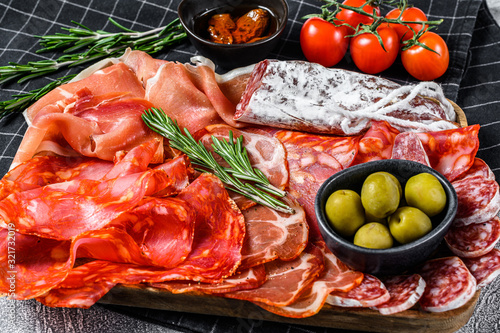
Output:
x,y
95,199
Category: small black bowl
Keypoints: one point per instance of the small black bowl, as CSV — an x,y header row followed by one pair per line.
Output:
x,y
399,258
230,56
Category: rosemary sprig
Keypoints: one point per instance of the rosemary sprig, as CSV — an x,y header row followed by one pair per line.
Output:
x,y
22,101
94,45
236,156
233,153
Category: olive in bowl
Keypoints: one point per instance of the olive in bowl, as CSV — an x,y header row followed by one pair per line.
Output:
x,y
207,22
400,257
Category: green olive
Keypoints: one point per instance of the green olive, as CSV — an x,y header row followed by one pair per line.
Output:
x,y
408,224
425,192
373,235
345,212
380,194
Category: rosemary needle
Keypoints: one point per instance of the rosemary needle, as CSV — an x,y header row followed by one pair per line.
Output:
x,y
234,154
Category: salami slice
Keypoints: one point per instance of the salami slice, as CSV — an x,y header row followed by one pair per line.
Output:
x,y
478,200
309,168
407,146
451,152
376,143
371,292
485,268
307,97
449,284
405,291
479,167
473,240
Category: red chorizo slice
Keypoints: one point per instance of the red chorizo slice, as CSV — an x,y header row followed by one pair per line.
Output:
x,y
309,168
78,297
219,231
405,291
371,292
473,240
449,284
478,200
484,268
80,289
451,152
39,263
376,143
163,228
135,160
181,173
65,210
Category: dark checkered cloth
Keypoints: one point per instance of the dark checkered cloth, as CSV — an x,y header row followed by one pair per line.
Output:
x,y
472,80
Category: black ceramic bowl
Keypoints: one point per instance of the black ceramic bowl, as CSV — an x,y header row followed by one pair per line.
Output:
x,y
399,258
230,56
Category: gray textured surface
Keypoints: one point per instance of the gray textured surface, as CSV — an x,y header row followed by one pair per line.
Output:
x,y
31,316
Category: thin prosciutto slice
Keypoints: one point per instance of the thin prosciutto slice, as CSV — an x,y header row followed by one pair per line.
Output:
x,y
90,127
115,78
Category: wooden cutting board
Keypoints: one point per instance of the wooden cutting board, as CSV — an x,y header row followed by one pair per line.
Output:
x,y
362,319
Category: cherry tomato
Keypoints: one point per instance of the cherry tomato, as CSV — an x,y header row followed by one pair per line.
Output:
x,y
353,18
367,53
323,42
409,14
423,64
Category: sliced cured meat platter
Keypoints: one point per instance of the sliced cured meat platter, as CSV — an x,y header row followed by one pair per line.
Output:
x,y
147,230
361,319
